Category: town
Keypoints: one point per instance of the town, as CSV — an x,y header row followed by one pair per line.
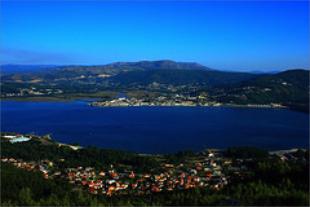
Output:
x,y
111,181
31,91
175,100
154,94
207,169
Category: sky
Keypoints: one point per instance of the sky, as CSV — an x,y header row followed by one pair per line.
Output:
x,y
228,35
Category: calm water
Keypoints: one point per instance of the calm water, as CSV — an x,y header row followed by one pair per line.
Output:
x,y
158,129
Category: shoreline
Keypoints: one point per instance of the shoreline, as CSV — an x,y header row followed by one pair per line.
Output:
x,y
49,140
199,106
47,99
95,102
91,102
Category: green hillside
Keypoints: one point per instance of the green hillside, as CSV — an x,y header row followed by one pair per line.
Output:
x,y
290,88
180,77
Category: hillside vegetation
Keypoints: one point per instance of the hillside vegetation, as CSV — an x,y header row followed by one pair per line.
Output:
x,y
289,88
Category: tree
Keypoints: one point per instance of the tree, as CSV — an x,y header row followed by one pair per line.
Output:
x,y
25,197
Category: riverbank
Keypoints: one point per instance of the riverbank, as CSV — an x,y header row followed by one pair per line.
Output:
x,y
211,104
39,99
63,97
93,99
178,101
48,140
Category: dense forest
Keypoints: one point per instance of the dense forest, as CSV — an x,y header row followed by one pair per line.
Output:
x,y
89,156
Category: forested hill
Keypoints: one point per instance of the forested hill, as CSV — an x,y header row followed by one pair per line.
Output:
x,y
111,69
208,78
289,88
160,64
125,73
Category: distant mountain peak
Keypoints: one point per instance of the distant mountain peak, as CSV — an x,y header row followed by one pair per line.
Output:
x,y
160,64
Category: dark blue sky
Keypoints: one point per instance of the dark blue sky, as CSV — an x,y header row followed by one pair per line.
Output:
x,y
230,35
